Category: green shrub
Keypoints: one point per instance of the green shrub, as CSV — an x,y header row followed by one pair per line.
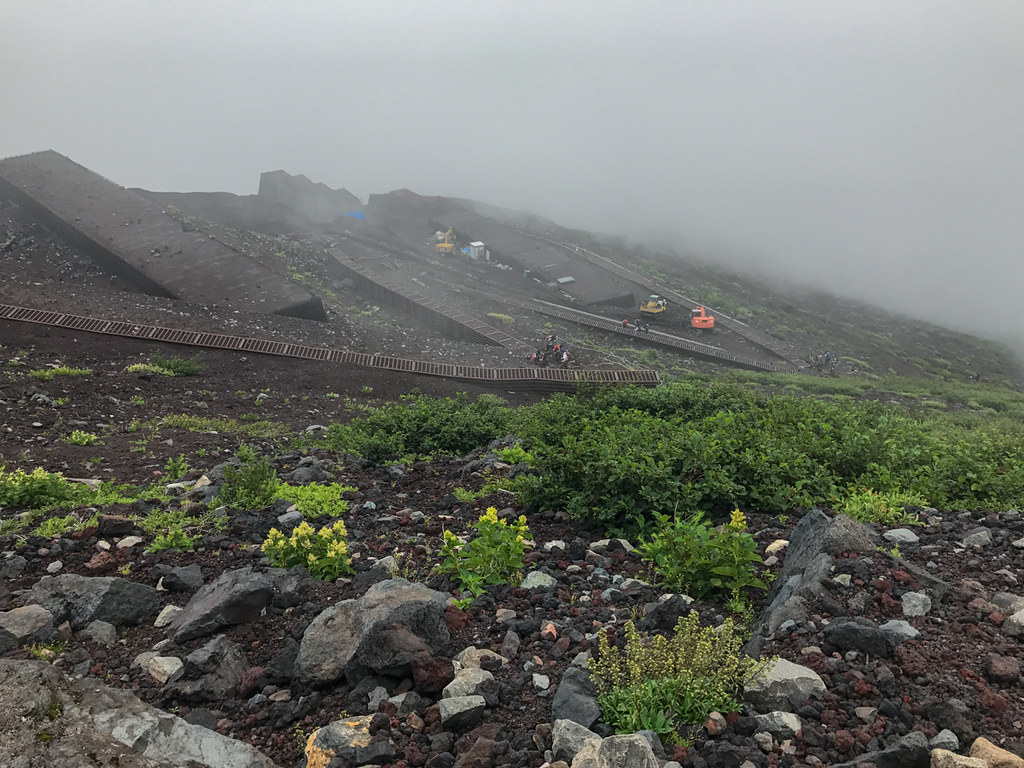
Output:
x,y
514,454
665,683
46,374
156,370
37,489
176,529
252,485
78,437
55,526
417,425
503,319
314,500
886,507
494,556
324,552
176,468
691,556
178,366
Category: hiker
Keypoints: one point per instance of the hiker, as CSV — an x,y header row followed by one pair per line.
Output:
x,y
565,358
549,342
625,323
556,349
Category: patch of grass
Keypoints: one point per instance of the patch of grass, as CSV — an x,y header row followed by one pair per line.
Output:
x,y
503,319
78,437
315,501
178,366
46,374
264,429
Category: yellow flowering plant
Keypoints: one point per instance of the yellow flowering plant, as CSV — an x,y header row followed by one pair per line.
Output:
x,y
323,552
494,556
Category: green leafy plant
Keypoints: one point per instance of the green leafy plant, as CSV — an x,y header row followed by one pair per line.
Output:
x,y
691,555
176,467
46,374
315,500
494,556
45,651
79,437
665,683
178,366
462,603
514,454
173,538
55,526
465,495
137,400
150,368
366,390
37,489
252,485
886,507
59,401
323,552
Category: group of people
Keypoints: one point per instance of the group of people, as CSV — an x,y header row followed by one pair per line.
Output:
x,y
825,362
638,325
552,353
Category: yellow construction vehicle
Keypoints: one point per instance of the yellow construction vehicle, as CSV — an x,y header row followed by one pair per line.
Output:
x,y
445,242
654,306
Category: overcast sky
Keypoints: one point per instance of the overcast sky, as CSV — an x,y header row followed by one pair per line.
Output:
x,y
873,146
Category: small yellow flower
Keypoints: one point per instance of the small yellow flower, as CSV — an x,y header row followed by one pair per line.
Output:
x,y
738,520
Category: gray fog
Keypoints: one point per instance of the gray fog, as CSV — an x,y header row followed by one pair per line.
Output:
x,y
870,146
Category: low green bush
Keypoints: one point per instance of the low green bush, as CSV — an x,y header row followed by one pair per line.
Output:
x,y
55,526
666,683
493,556
46,374
417,425
886,507
252,485
314,500
178,366
37,489
79,437
692,556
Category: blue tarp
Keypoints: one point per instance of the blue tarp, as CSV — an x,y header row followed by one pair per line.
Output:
x,y
357,215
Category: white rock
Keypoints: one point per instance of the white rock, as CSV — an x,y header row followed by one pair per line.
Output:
x,y
54,567
129,541
166,616
541,682
901,536
916,603
776,547
538,580
161,668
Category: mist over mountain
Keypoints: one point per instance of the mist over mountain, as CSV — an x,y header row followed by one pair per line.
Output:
x,y
870,148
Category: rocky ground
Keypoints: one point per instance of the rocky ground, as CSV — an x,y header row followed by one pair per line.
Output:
x,y
895,655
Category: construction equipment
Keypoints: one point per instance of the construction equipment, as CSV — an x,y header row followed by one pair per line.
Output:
x,y
654,306
701,320
445,241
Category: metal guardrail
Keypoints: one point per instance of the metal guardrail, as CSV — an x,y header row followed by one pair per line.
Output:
x,y
535,379
660,338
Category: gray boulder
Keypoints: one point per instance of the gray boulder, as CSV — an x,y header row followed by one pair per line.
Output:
x,y
576,698
911,751
538,580
237,597
211,672
70,719
567,738
348,742
775,687
461,712
21,626
472,682
855,633
82,599
632,751
781,725
381,631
